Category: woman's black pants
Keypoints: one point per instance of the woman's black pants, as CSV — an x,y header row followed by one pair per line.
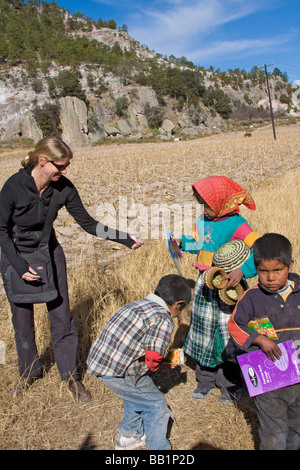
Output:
x,y
63,331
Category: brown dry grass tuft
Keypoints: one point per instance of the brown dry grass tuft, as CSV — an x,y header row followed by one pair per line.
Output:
x,y
46,417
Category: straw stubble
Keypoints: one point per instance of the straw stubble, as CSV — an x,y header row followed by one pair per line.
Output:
x,y
103,278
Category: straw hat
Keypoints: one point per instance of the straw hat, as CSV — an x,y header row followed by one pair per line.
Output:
x,y
230,295
213,278
231,255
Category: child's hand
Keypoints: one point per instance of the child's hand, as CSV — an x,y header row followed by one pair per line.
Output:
x,y
234,277
268,346
168,366
179,242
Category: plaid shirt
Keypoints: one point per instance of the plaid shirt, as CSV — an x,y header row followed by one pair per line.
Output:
x,y
143,325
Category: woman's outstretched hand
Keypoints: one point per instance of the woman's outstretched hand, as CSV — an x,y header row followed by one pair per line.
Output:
x,y
138,242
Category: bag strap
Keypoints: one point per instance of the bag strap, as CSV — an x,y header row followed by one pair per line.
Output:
x,y
50,218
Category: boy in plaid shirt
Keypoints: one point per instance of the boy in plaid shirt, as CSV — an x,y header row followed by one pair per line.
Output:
x,y
134,341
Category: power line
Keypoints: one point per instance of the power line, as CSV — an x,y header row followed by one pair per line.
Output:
x,y
270,100
289,65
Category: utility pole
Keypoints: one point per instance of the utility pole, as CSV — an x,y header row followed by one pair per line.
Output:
x,y
270,100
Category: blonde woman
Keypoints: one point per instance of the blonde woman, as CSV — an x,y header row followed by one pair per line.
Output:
x,y
24,202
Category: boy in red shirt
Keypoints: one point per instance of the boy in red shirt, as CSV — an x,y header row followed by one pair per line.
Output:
x,y
276,297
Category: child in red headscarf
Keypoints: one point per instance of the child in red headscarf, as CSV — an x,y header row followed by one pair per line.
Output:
x,y
208,340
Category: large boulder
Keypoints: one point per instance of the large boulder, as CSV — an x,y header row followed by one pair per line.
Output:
x,y
24,126
168,126
104,109
111,130
126,127
73,119
29,128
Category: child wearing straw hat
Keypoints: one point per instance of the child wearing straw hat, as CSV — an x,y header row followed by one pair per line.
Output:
x,y
208,340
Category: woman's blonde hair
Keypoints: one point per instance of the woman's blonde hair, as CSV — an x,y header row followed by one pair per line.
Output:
x,y
52,148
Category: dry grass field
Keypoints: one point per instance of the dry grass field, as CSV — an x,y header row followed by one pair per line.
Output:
x,y
104,276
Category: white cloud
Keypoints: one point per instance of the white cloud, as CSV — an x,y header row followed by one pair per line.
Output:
x,y
183,20
247,47
209,30
186,28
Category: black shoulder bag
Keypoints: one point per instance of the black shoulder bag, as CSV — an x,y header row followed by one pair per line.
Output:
x,y
20,291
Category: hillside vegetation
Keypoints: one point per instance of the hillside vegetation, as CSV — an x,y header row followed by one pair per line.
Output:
x,y
36,33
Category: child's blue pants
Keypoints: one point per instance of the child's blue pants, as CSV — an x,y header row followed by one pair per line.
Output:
x,y
145,410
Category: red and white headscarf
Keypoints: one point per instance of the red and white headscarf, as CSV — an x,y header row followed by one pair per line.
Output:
x,y
223,195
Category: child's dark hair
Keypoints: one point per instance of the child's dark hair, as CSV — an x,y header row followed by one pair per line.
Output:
x,y
172,288
272,246
198,197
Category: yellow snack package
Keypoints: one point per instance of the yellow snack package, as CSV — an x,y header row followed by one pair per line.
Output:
x,y
175,357
264,327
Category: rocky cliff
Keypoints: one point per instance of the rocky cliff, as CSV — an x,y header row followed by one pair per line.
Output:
x,y
86,121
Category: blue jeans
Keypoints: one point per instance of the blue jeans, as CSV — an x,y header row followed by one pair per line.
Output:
x,y
145,410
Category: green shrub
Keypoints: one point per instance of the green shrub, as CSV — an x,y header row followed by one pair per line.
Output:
x,y
48,119
154,116
121,105
218,100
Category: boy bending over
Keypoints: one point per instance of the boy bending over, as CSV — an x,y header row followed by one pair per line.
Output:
x,y
277,296
134,341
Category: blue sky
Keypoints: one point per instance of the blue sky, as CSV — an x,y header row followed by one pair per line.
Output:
x,y
227,34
